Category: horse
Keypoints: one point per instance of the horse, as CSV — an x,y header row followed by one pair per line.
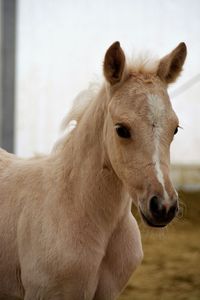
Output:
x,y
66,227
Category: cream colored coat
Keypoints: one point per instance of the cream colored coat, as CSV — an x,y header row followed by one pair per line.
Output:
x,y
66,228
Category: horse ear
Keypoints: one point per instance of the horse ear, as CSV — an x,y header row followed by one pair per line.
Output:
x,y
114,63
171,65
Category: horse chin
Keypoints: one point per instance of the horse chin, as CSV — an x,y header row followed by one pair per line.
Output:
x,y
150,222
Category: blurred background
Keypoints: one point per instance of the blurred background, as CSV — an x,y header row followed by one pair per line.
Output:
x,y
51,50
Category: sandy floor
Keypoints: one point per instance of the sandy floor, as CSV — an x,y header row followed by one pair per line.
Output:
x,y
171,265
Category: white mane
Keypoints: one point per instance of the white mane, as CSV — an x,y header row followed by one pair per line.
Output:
x,y
144,63
80,103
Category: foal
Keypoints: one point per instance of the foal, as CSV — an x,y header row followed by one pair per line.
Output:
x,y
66,228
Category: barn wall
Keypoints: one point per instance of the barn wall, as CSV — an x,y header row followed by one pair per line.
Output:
x,y
60,49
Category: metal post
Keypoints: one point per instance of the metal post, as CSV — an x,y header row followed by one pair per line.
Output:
x,y
1,60
7,73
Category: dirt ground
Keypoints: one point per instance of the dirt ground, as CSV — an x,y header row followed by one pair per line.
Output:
x,y
171,265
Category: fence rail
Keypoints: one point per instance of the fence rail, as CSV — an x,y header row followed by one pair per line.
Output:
x,y
186,177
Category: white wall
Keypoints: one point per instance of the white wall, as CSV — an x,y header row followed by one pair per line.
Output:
x,y
60,49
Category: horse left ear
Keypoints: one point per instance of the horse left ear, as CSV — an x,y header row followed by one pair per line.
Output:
x,y
171,65
114,64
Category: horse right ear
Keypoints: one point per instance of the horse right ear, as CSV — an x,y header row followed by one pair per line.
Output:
x,y
114,64
171,65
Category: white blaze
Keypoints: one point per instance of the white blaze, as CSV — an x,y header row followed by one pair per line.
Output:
x,y
157,111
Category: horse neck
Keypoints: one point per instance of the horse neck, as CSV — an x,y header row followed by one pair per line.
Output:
x,y
93,183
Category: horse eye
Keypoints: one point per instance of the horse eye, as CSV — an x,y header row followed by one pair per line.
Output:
x,y
122,131
176,130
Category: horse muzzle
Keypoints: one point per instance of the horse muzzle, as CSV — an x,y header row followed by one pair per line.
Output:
x,y
160,213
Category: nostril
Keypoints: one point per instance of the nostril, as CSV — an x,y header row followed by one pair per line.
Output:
x,y
154,205
173,210
162,211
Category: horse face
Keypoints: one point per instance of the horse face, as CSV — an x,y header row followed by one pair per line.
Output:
x,y
139,129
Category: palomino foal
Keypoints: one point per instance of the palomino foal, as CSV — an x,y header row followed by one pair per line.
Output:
x,y
66,228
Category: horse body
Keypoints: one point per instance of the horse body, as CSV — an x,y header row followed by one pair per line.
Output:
x,y
66,226
58,239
